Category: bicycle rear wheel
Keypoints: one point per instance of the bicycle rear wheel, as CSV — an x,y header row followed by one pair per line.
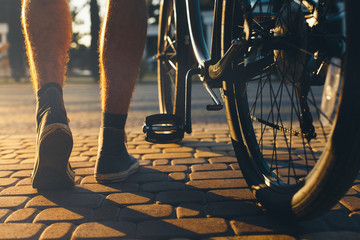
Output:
x,y
173,57
297,159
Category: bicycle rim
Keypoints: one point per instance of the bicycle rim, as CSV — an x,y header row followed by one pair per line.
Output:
x,y
278,126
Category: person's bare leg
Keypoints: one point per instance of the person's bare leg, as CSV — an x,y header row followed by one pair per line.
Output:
x,y
122,43
47,30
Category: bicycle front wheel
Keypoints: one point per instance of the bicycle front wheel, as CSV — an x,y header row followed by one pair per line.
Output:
x,y
173,57
297,156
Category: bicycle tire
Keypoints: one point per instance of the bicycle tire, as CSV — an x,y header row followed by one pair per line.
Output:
x,y
320,184
173,50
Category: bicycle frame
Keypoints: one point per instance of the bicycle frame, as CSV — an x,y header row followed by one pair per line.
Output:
x,y
211,66
202,55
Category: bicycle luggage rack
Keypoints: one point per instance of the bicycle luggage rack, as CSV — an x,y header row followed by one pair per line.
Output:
x,y
163,128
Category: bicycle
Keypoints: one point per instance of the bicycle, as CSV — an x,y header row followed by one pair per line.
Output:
x,y
271,60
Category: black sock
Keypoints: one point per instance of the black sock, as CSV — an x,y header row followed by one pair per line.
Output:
x,y
41,91
50,103
114,120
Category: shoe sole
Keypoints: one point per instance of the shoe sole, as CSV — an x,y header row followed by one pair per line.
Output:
x,y
52,169
116,177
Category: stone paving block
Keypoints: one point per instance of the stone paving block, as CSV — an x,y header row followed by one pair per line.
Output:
x,y
215,175
99,188
4,213
229,195
148,177
355,217
71,215
104,230
89,153
144,151
351,202
197,144
160,162
22,174
13,202
5,151
208,167
8,156
356,187
24,181
178,149
310,226
331,236
162,186
217,130
266,224
166,156
144,162
16,167
340,221
21,230
27,161
182,228
9,161
65,200
254,226
78,159
84,171
223,160
256,237
164,169
4,174
138,147
177,176
140,213
122,199
24,215
19,191
60,230
190,210
208,154
88,180
232,209
234,166
26,155
188,161
105,213
83,165
167,145
225,147
351,191
216,184
178,197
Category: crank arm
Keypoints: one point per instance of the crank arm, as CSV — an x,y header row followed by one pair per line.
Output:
x,y
216,70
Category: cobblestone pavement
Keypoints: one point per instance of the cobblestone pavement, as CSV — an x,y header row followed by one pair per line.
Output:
x,y
190,190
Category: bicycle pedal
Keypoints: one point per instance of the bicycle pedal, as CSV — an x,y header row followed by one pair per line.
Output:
x,y
163,128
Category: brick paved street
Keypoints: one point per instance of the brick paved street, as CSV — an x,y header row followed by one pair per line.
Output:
x,y
190,190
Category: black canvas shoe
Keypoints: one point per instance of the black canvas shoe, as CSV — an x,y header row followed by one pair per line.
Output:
x,y
114,163
54,141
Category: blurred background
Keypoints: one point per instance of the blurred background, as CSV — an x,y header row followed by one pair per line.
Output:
x,y
83,65
81,93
